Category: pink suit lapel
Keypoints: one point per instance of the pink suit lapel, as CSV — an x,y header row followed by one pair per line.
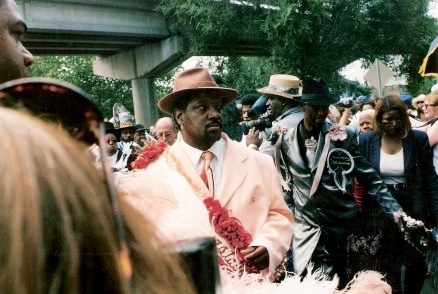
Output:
x,y
189,169
235,169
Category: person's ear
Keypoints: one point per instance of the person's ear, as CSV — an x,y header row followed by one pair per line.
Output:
x,y
179,117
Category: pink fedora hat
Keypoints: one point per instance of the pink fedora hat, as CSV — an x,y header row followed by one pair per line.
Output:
x,y
194,80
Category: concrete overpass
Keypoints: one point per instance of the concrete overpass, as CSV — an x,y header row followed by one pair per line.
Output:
x,y
131,40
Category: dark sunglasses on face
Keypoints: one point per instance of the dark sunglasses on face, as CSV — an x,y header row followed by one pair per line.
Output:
x,y
391,122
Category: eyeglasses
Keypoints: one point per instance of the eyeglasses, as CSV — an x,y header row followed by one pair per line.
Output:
x,y
111,140
425,105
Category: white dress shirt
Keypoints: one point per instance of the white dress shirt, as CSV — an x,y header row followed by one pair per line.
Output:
x,y
217,162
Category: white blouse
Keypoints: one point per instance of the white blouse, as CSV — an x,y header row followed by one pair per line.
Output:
x,y
392,167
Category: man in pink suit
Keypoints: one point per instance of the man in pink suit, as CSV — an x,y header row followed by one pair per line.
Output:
x,y
241,203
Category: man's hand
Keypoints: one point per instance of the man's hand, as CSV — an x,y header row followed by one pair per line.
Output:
x,y
253,138
259,256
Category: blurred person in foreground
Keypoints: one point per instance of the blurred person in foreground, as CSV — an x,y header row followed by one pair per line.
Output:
x,y
58,230
15,59
403,158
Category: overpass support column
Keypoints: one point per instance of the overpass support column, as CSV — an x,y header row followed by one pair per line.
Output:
x,y
145,109
141,65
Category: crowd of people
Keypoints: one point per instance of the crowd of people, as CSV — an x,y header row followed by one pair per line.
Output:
x,y
312,197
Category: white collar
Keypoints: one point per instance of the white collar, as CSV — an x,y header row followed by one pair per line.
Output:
x,y
194,154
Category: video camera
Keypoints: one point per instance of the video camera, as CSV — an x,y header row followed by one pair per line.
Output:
x,y
260,124
263,121
346,102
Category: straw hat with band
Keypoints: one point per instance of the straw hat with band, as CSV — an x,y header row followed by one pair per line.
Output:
x,y
286,86
194,80
316,93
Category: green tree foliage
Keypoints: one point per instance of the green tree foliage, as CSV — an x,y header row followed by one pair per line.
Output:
x,y
308,37
78,71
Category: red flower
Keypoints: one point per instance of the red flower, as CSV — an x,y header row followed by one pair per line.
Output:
x,y
229,228
150,153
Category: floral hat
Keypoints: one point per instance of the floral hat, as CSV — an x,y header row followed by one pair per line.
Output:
x,y
122,118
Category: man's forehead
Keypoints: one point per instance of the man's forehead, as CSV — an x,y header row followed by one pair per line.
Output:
x,y
317,106
207,97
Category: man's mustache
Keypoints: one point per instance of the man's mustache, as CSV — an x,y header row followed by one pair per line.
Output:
x,y
214,123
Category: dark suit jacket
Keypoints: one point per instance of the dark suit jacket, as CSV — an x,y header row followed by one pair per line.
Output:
x,y
419,172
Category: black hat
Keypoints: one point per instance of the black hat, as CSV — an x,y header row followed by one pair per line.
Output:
x,y
57,101
316,92
140,128
110,129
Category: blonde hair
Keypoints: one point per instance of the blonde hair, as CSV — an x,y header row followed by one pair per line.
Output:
x,y
57,230
432,98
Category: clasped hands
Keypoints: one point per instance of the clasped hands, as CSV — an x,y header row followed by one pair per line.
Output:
x,y
256,255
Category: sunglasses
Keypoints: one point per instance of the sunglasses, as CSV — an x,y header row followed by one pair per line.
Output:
x,y
425,105
70,107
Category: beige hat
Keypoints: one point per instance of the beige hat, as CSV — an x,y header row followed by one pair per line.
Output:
x,y
284,86
195,80
417,100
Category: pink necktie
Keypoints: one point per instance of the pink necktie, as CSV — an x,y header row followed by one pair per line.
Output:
x,y
206,172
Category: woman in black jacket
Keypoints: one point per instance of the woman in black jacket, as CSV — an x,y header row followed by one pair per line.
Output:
x,y
403,158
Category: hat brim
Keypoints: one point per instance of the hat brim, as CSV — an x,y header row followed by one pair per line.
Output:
x,y
318,100
166,104
53,99
266,90
127,127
